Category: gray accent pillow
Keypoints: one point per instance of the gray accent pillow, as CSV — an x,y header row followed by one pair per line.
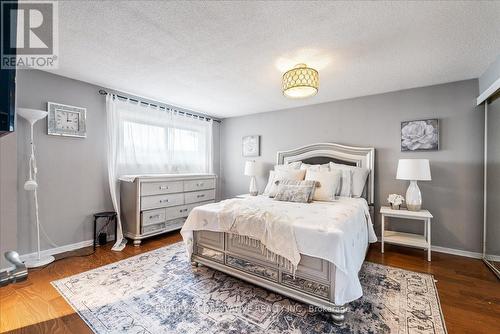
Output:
x,y
295,191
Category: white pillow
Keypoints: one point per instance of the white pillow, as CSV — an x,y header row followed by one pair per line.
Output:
x,y
270,182
272,175
359,175
328,182
285,174
345,186
323,167
291,165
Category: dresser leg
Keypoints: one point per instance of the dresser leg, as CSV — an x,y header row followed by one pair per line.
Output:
x,y
137,243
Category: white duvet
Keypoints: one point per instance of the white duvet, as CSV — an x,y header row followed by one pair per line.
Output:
x,y
338,232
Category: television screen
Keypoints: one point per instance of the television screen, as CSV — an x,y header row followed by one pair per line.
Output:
x,y
7,76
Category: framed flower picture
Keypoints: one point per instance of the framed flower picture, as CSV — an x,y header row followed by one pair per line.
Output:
x,y
420,135
251,146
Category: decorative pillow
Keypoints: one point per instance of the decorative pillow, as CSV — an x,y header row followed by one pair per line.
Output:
x,y
328,183
359,175
345,185
291,165
285,174
295,191
322,167
270,182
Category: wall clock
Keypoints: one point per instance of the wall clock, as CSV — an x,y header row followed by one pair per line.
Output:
x,y
251,146
64,120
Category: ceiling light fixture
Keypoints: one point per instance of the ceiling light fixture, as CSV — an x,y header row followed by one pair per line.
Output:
x,y
301,81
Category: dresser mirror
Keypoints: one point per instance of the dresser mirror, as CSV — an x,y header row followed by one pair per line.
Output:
x,y
491,239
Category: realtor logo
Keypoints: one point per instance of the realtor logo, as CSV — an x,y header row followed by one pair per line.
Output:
x,y
29,37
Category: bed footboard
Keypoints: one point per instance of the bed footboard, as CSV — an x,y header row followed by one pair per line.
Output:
x,y
313,283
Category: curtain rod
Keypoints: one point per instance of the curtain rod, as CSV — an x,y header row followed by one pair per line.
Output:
x,y
161,106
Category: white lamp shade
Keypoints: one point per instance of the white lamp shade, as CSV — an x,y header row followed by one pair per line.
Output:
x,y
31,115
414,170
250,168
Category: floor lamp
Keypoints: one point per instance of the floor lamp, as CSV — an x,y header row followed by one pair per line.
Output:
x,y
32,116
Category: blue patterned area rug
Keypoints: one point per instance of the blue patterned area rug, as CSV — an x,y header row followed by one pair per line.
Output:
x,y
159,292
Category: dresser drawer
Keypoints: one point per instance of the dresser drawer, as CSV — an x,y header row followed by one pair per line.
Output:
x,y
194,205
177,212
194,185
157,188
151,217
200,196
152,228
174,224
159,201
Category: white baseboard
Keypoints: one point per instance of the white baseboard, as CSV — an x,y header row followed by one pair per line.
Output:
x,y
87,243
458,252
495,258
65,248
60,249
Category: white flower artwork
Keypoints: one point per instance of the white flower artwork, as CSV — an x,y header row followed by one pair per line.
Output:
x,y
421,135
251,146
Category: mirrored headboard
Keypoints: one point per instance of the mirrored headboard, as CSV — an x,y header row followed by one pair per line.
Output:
x,y
322,153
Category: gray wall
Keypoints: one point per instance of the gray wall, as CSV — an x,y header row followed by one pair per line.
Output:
x,y
491,75
8,199
454,196
493,188
72,171
73,182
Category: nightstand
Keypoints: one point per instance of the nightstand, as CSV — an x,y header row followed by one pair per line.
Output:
x,y
407,239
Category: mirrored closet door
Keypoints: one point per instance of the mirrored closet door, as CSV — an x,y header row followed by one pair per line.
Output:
x,y
491,246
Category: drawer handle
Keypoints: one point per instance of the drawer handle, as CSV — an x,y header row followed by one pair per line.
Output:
x,y
183,210
163,187
164,201
155,216
200,196
199,184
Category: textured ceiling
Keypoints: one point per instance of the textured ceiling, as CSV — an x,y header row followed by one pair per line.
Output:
x,y
227,58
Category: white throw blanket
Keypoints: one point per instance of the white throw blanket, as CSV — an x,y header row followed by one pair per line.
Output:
x,y
338,232
260,221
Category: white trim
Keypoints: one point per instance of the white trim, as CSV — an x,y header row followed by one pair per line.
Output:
x,y
60,249
54,251
495,258
452,251
485,176
488,92
459,252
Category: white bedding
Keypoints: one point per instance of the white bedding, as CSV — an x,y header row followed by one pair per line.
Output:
x,y
338,232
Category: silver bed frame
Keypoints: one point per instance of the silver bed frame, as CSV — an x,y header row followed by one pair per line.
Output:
x,y
314,282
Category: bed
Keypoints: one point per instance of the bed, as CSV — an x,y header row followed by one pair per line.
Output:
x,y
331,237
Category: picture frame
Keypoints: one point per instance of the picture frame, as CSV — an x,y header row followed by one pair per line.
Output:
x,y
65,120
420,135
251,146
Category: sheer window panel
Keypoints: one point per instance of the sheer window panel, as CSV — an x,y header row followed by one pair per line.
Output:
x,y
157,141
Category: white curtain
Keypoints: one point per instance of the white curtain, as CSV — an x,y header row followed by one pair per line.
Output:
x,y
148,140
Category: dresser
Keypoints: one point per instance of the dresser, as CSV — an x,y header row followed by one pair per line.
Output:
x,y
155,204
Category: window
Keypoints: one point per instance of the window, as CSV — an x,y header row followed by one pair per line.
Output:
x,y
154,141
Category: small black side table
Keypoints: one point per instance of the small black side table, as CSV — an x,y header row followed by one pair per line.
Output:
x,y
109,216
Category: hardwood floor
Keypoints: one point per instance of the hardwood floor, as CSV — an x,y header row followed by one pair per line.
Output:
x,y
469,292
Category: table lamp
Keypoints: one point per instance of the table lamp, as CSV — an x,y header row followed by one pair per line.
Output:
x,y
413,170
251,170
